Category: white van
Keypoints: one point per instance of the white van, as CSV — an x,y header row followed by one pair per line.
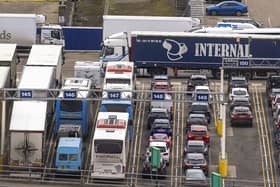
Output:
x,y
235,25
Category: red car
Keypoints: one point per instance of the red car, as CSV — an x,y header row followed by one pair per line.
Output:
x,y
161,137
162,86
241,115
199,132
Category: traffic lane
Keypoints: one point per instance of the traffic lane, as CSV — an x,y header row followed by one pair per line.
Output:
x,y
144,140
266,12
275,152
243,150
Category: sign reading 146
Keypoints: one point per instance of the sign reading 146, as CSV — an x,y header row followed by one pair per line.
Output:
x,y
70,94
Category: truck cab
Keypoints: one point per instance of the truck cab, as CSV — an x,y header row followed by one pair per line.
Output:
x,y
69,155
52,34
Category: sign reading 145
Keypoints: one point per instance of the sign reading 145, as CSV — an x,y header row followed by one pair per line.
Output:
x,y
25,94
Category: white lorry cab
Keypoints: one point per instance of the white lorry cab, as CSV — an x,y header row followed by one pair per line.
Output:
x,y
110,146
119,81
29,29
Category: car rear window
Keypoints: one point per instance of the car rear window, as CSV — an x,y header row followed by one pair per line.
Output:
x,y
199,132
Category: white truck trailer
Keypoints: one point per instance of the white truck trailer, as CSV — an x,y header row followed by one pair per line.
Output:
x,y
117,29
31,118
29,29
8,60
47,56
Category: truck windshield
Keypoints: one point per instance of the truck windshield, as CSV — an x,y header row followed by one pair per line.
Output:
x,y
73,157
62,157
71,106
108,146
116,108
118,81
107,51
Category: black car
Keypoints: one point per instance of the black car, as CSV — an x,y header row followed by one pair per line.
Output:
x,y
201,108
195,178
197,80
157,113
152,172
196,146
196,119
196,161
238,82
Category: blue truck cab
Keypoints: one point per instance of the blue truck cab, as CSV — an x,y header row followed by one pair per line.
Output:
x,y
69,155
75,112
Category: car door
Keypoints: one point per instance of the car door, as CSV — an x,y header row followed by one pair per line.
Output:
x,y
224,8
229,8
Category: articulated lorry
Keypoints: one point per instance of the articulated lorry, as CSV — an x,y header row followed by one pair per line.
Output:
x,y
117,28
29,29
8,60
158,51
31,119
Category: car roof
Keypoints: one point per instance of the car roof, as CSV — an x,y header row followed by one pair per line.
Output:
x,y
195,156
241,108
200,103
160,77
161,121
275,90
197,115
198,127
238,78
202,87
198,76
195,142
235,89
159,143
240,99
159,110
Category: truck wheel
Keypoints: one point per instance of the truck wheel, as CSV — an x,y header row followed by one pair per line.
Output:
x,y
213,13
217,74
248,75
238,13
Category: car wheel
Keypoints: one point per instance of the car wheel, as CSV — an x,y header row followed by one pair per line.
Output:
x,y
213,13
238,13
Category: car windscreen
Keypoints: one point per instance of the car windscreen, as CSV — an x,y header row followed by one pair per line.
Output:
x,y
161,125
239,92
199,107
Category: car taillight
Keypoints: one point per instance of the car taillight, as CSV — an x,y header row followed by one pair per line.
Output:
x,y
165,154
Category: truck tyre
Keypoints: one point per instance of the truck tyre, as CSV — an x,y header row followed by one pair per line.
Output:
x,y
238,13
213,13
216,74
248,75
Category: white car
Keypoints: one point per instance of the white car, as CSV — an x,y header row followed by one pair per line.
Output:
x,y
163,147
238,92
201,90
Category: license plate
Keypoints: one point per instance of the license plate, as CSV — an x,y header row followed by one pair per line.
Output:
x,y
107,171
242,116
198,138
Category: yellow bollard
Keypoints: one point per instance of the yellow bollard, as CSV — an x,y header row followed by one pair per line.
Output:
x,y
1,162
220,127
223,166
